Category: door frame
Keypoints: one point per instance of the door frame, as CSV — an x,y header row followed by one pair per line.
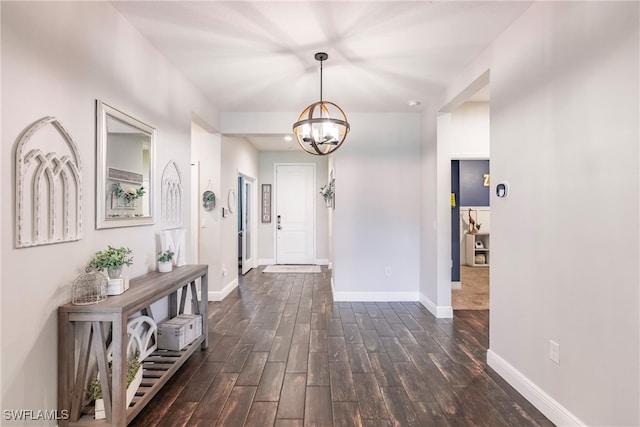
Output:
x,y
275,208
253,223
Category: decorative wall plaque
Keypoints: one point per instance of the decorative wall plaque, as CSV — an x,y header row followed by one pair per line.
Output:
x,y
48,186
266,202
171,199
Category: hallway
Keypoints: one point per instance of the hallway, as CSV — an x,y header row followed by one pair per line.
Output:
x,y
283,353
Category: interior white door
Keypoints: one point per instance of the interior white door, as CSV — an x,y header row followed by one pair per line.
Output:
x,y
247,234
295,219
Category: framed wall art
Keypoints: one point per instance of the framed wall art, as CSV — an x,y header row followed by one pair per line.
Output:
x,y
266,203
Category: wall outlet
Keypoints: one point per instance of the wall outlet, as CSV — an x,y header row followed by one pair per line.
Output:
x,y
387,271
224,271
554,351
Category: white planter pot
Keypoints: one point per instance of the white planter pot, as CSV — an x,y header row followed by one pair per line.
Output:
x,y
165,267
100,414
131,392
114,273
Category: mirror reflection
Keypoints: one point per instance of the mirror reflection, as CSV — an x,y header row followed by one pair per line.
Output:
x,y
124,169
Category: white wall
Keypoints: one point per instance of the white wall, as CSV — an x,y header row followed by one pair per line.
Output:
x,y
206,150
377,213
268,159
433,295
238,156
470,128
565,244
57,59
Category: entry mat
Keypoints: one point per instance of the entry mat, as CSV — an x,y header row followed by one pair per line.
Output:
x,y
292,269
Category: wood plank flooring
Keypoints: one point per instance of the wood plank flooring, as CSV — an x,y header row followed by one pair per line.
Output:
x,y
282,353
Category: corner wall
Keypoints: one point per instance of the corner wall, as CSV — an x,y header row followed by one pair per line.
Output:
x,y
238,156
565,243
206,150
377,209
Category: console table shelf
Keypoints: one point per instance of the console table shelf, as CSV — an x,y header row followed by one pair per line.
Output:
x,y
83,332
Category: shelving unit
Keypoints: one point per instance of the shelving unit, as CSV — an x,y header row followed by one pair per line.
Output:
x,y
83,331
477,246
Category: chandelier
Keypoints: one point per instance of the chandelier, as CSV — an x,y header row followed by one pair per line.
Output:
x,y
322,126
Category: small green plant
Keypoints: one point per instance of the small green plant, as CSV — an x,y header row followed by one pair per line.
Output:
x,y
94,390
327,191
165,256
130,195
478,226
111,258
208,197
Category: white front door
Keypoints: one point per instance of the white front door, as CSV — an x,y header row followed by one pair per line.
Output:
x,y
295,219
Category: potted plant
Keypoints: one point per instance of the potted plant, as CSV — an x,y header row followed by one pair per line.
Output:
x,y
134,379
327,192
112,259
164,261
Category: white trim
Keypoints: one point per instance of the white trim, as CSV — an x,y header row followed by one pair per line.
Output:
x,y
557,414
470,156
220,295
441,312
456,285
321,261
374,296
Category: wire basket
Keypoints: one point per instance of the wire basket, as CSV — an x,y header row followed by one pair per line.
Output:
x,y
89,288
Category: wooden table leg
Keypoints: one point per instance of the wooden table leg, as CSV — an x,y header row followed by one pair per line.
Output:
x,y
204,296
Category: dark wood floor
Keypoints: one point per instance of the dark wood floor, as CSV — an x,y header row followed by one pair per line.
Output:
x,y
282,353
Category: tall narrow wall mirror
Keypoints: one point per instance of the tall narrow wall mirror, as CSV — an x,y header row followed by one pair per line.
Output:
x,y
124,169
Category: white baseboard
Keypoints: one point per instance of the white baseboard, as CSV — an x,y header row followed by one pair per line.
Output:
x,y
374,296
441,312
456,285
266,261
557,414
220,295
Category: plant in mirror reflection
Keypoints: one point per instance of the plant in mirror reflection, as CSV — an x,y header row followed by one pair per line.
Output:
x,y
130,195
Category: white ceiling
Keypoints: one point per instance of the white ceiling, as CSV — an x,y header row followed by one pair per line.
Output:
x,y
255,56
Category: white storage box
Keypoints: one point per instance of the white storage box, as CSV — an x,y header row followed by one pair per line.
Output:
x,y
180,331
118,285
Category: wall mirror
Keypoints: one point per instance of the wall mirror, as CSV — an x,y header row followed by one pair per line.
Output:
x,y
124,169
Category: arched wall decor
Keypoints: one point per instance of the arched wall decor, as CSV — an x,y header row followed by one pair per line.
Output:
x,y
48,187
171,199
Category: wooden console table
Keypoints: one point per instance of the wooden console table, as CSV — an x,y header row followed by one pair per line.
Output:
x,y
82,332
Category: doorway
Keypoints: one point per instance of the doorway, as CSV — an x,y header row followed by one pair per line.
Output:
x,y
246,234
295,197
470,234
